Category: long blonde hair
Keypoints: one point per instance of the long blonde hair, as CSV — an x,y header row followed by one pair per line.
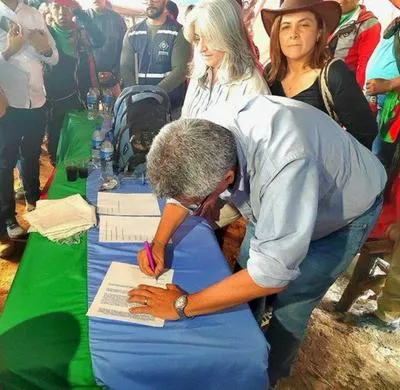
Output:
x,y
220,23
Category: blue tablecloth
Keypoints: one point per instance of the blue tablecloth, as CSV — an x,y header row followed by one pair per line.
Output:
x,y
223,351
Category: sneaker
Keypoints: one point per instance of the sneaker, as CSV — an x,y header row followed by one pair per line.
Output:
x,y
371,320
7,247
15,231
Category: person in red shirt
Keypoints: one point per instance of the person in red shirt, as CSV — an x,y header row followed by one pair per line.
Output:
x,y
355,38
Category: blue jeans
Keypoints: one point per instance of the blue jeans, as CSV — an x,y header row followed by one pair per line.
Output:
x,y
384,151
326,259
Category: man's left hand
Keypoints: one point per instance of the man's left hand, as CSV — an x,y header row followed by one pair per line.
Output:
x,y
105,77
39,40
377,86
158,302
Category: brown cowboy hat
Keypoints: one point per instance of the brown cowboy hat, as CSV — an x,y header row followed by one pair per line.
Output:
x,y
329,10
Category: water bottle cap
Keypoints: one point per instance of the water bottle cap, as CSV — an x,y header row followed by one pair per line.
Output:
x,y
107,146
97,135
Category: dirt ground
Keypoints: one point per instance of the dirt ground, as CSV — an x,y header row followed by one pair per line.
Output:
x,y
335,355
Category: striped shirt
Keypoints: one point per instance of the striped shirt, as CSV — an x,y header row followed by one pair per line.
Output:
x,y
200,99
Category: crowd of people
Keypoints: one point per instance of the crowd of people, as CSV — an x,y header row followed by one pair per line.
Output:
x,y
301,147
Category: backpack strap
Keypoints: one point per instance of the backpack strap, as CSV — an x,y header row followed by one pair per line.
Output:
x,y
396,49
325,92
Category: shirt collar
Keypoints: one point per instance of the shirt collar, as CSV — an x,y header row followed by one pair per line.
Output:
x,y
19,6
240,175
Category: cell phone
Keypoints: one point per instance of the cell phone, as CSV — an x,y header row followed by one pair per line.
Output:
x,y
5,23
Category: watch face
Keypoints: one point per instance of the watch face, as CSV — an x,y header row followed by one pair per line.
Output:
x,y
181,302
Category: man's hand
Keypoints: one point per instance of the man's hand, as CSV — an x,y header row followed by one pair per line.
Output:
x,y
104,77
39,40
393,234
157,301
15,41
377,86
158,251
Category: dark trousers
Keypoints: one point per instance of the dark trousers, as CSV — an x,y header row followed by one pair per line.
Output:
x,y
384,151
56,114
21,133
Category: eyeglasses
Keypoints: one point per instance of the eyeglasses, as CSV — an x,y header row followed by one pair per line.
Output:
x,y
194,208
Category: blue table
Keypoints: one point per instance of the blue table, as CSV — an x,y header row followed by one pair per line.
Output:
x,y
223,351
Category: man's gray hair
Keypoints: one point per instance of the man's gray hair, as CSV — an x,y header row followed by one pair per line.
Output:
x,y
190,157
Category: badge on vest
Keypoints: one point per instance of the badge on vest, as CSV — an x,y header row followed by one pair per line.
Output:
x,y
163,46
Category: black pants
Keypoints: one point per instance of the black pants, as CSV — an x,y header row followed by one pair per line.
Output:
x,y
56,114
21,133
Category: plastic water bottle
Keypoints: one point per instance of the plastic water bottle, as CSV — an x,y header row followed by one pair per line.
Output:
x,y
92,102
108,102
97,140
109,180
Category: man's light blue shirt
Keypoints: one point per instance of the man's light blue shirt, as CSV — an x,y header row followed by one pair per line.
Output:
x,y
300,178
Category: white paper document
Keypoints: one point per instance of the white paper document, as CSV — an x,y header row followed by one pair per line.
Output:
x,y
128,204
59,219
127,229
111,300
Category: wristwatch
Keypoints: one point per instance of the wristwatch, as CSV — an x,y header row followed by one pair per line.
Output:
x,y
180,305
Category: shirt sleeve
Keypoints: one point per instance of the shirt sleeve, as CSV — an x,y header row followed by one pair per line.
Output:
x,y
94,34
188,98
53,59
351,105
127,67
285,224
181,55
122,32
367,42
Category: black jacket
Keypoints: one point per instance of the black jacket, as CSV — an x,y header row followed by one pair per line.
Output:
x,y
108,56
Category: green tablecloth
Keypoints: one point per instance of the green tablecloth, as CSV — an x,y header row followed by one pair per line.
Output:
x,y
43,329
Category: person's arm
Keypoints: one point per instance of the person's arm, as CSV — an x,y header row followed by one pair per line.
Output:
x,y
367,42
181,55
351,105
127,68
15,41
172,217
43,42
3,104
94,34
380,86
282,238
122,31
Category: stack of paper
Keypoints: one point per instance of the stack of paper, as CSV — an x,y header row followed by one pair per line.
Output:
x,y
62,218
128,217
111,300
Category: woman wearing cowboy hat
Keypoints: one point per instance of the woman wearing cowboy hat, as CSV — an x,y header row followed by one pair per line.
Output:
x,y
301,69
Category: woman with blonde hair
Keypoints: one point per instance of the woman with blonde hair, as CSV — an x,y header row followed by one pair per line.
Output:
x,y
301,68
224,68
